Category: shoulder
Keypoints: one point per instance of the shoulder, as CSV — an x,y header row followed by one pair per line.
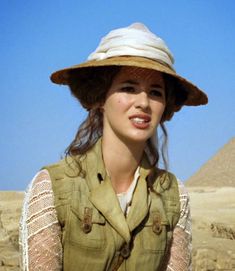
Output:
x,y
38,202
69,166
39,187
40,184
183,192
174,187
58,171
183,196
55,167
185,215
165,181
65,176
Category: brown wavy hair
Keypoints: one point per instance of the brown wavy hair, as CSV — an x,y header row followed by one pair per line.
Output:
x,y
90,87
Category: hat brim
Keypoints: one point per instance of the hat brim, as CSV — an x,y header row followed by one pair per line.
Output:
x,y
195,95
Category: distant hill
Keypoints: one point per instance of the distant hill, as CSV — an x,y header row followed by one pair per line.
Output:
x,y
219,171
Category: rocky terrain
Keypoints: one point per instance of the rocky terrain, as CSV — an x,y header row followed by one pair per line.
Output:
x,y
212,193
213,217
10,209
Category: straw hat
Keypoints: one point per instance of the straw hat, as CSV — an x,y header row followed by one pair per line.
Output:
x,y
135,46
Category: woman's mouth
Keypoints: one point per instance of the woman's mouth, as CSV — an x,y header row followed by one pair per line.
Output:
x,y
140,122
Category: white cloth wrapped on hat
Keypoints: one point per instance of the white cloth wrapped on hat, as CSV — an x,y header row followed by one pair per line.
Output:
x,y
135,40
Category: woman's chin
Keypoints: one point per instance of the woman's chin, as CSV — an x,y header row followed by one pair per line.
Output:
x,y
138,138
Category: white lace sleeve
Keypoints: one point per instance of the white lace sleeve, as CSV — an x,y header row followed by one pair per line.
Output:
x,y
40,232
181,249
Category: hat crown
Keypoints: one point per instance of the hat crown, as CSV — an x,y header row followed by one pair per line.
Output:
x,y
139,26
134,40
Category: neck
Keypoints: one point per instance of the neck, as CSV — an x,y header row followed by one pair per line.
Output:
x,y
121,160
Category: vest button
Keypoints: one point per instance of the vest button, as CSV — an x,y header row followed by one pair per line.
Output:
x,y
86,228
157,228
125,251
157,225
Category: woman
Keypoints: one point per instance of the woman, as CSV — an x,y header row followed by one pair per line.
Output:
x,y
107,206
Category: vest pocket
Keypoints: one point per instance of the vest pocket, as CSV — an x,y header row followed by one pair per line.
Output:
x,y
86,228
154,233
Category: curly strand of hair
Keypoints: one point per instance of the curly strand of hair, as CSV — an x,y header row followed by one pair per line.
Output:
x,y
88,133
163,148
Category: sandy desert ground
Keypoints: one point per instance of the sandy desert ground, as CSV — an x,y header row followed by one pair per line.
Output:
x,y
213,217
10,209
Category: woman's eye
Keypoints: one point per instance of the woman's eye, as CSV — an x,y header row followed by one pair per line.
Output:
x,y
128,89
156,93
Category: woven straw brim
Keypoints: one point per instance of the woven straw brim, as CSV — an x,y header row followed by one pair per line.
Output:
x,y
195,95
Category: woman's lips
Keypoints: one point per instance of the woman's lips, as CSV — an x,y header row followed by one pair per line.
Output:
x,y
140,121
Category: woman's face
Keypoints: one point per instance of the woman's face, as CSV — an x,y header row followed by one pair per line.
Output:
x,y
134,104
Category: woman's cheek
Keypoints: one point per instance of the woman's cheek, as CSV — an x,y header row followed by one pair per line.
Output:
x,y
124,101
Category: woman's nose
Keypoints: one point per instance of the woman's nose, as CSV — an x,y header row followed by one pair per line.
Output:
x,y
142,100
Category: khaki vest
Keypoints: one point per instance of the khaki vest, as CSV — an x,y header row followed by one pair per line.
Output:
x,y
95,233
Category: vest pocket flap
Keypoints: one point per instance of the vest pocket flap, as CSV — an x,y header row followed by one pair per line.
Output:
x,y
151,223
98,219
155,218
90,214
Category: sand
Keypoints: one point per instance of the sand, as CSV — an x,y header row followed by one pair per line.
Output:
x,y
213,217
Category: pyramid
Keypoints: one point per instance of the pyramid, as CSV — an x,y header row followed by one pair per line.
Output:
x,y
219,171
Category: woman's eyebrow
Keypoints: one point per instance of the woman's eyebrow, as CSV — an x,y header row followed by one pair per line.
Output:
x,y
132,82
156,86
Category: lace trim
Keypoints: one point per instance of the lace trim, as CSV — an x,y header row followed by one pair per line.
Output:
x,y
180,252
49,242
38,217
23,229
185,221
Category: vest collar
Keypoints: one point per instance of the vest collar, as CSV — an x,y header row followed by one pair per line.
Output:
x,y
103,197
94,165
97,171
102,194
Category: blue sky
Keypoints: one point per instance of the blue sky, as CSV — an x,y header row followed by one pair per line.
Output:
x,y
39,119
